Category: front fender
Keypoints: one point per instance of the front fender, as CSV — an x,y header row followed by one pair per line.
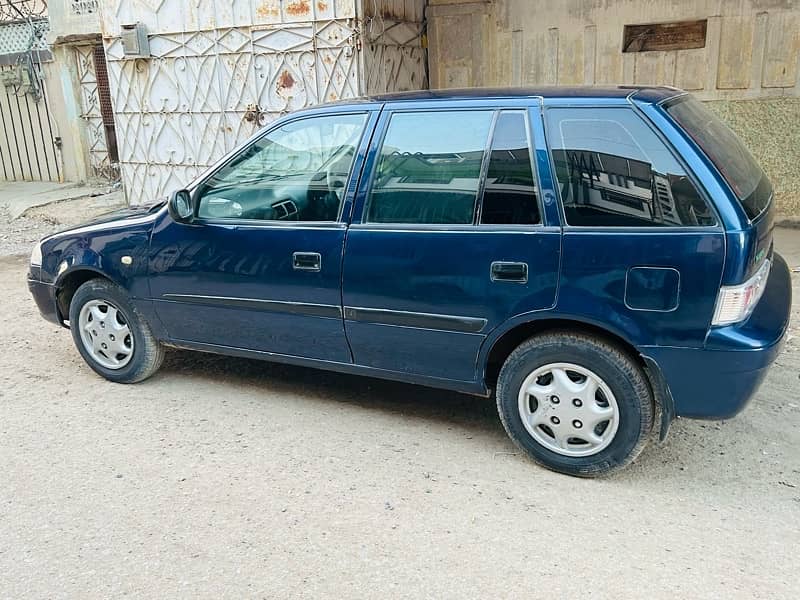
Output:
x,y
118,254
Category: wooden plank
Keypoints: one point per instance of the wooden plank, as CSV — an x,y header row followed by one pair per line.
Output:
x,y
683,35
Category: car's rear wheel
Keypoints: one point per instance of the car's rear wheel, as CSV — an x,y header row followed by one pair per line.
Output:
x,y
575,403
111,335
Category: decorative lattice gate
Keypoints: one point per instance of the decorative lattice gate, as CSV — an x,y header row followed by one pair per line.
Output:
x,y
219,71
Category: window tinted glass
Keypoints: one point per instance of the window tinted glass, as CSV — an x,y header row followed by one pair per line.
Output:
x,y
613,170
297,172
429,168
509,195
725,150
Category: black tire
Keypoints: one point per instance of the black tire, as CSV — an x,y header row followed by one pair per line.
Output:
x,y
623,376
148,353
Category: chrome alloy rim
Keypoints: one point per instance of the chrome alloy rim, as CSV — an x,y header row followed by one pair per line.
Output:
x,y
568,409
105,334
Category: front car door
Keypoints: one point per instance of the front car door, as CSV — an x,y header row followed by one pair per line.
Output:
x,y
448,237
259,268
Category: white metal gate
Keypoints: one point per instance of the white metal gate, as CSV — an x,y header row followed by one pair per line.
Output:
x,y
204,90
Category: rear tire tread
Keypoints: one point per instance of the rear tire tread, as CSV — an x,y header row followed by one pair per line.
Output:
x,y
621,360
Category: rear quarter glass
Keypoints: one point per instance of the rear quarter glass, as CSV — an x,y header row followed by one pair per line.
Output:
x,y
613,170
725,150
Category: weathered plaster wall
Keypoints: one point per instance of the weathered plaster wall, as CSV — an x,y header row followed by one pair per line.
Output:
x,y
751,48
771,130
749,66
73,18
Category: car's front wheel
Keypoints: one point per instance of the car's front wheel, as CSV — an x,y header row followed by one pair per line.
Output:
x,y
575,403
109,333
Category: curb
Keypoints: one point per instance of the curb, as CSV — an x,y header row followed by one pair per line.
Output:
x,y
788,222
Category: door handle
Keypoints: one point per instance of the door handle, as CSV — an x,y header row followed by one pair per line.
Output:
x,y
509,271
306,261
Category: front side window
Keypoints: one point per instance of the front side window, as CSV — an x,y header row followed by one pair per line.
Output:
x,y
509,194
297,172
429,168
613,170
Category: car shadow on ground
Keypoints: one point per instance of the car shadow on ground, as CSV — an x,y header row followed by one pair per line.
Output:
x,y
692,451
474,413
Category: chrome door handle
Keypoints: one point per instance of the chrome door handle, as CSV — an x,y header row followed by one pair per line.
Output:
x,y
509,271
306,261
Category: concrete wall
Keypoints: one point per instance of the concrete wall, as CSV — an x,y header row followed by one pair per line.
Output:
x,y
748,67
70,18
751,48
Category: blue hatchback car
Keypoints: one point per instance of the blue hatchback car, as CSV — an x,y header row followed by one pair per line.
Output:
x,y
600,259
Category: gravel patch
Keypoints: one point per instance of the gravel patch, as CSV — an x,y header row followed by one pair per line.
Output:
x,y
18,236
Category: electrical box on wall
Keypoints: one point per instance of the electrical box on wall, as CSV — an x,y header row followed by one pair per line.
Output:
x,y
12,77
134,41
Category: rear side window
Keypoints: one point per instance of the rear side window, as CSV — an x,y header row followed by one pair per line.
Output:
x,y
614,171
509,194
429,168
725,150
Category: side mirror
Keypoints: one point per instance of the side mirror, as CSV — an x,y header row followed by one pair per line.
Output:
x,y
181,207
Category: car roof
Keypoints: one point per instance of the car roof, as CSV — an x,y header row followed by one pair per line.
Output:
x,y
648,94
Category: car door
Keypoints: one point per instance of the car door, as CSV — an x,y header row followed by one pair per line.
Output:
x,y
259,267
448,239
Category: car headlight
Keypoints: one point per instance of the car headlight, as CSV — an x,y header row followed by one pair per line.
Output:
x,y
36,255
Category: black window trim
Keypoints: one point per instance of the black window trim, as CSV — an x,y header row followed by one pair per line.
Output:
x,y
629,105
266,223
487,157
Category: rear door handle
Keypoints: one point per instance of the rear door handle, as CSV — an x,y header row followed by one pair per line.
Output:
x,y
509,271
306,261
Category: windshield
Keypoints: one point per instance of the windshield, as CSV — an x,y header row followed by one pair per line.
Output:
x,y
725,150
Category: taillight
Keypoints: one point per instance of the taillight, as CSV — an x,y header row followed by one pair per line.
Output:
x,y
736,302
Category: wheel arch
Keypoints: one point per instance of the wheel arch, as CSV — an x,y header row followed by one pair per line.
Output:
x,y
501,344
69,281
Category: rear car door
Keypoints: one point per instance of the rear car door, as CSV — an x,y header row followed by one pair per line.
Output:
x,y
447,240
259,268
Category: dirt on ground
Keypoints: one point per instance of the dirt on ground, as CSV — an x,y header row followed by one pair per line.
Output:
x,y
231,478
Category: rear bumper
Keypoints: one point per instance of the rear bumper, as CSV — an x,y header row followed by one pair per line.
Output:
x,y
717,381
44,294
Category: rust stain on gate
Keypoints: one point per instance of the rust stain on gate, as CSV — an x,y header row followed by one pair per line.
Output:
x,y
298,8
285,80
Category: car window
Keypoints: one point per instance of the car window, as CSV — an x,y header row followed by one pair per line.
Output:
x,y
509,194
429,167
613,170
297,172
725,150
